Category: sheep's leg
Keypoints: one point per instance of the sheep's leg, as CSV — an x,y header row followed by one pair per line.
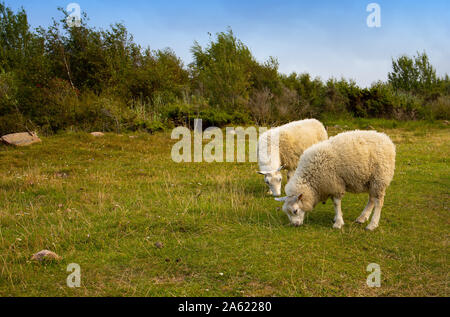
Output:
x,y
376,214
339,220
367,211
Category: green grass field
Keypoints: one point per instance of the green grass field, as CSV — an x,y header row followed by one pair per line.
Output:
x,y
104,202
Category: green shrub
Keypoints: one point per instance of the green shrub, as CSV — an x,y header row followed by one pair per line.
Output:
x,y
88,79
11,118
440,108
185,114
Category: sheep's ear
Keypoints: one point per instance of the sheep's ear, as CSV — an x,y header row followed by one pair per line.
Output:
x,y
280,168
262,173
281,198
300,197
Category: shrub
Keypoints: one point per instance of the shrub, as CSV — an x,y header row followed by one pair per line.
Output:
x,y
440,108
90,79
260,105
11,119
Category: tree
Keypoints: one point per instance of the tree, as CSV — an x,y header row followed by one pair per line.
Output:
x,y
15,37
222,71
413,74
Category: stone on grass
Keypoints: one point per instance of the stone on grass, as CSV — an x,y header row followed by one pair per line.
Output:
x,y
20,139
97,134
45,255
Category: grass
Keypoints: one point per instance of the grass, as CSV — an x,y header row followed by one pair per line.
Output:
x,y
104,202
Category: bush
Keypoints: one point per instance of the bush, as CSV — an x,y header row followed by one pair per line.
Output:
x,y
440,108
260,105
11,119
185,114
88,79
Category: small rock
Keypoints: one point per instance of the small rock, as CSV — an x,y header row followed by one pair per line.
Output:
x,y
21,139
159,245
97,134
132,137
45,255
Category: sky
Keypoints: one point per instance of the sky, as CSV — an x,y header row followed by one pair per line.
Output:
x,y
325,38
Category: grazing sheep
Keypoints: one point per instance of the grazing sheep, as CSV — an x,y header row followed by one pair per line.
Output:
x,y
281,147
355,161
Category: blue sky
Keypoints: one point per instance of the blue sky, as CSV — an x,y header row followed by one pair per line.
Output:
x,y
324,38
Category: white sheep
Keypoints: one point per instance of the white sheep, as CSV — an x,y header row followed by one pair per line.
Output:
x,y
281,147
355,161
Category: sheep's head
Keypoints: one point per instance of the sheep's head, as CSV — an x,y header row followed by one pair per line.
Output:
x,y
273,180
294,208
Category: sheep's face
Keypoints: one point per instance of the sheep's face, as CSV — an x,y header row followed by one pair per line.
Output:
x,y
273,180
293,208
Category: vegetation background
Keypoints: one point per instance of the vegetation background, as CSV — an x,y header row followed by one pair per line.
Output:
x,y
81,78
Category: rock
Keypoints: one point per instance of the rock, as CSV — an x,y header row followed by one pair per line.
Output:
x,y
61,175
159,245
97,134
45,255
21,139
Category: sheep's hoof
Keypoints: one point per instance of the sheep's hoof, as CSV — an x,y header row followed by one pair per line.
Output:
x,y
360,220
371,227
338,225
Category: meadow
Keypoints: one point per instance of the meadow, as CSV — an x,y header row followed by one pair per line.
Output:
x,y
139,224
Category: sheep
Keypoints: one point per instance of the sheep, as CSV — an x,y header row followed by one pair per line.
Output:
x,y
356,162
281,147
